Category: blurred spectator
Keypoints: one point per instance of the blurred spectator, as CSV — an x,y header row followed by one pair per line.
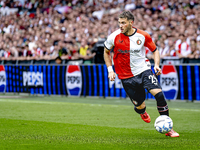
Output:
x,y
62,52
184,49
130,5
167,49
83,48
194,50
4,10
58,60
99,49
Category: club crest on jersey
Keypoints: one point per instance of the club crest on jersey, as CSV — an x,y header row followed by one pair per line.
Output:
x,y
139,42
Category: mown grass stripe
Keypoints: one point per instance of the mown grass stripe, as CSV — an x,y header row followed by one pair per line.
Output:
x,y
88,104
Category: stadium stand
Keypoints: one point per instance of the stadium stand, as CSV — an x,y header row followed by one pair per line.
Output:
x,y
40,31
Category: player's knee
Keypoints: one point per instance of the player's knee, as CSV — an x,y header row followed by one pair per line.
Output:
x,y
155,91
160,99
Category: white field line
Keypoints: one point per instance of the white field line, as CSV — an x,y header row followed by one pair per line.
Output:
x,y
88,104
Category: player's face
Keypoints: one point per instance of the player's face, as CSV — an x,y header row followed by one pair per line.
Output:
x,y
124,25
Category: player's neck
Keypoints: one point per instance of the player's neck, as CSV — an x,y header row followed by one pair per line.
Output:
x,y
130,32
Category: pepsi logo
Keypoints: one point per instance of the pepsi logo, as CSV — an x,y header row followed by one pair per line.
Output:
x,y
169,81
2,79
73,80
32,78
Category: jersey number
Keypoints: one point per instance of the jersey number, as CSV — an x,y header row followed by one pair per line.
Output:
x,y
153,79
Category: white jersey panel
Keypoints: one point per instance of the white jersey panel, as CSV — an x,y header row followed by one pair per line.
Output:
x,y
109,43
138,59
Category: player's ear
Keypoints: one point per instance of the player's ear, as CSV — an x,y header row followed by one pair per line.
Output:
x,y
131,22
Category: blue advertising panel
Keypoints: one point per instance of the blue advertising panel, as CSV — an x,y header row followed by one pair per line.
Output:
x,y
178,82
100,73
197,83
84,81
189,83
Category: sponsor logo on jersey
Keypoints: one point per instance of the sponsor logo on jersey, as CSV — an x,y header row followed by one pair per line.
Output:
x,y
139,42
136,51
169,81
2,79
120,41
73,80
123,51
32,78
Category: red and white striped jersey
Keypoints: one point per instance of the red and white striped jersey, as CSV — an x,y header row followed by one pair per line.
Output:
x,y
129,52
184,48
39,51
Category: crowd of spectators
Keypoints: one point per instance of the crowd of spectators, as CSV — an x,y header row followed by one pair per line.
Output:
x,y
71,29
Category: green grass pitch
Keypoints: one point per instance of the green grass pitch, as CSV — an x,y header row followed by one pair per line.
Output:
x,y
68,123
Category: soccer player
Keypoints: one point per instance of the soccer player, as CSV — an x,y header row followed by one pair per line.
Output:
x,y
133,68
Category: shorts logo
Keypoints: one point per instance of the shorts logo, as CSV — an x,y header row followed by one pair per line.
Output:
x,y
139,42
134,102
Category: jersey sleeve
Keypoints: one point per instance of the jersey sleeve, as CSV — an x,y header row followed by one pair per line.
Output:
x,y
149,43
109,43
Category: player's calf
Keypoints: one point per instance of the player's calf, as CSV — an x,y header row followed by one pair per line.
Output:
x,y
161,104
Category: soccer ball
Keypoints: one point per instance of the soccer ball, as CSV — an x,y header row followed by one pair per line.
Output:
x,y
163,124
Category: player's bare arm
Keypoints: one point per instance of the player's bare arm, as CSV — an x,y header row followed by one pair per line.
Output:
x,y
108,61
157,62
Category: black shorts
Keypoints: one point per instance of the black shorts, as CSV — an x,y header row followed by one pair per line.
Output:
x,y
135,86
